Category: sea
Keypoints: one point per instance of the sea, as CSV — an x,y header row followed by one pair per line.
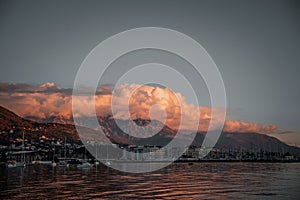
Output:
x,y
211,180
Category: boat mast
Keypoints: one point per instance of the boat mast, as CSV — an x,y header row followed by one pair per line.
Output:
x,y
65,147
10,142
53,154
106,151
84,153
23,156
96,152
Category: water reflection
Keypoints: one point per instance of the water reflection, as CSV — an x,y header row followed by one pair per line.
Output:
x,y
198,181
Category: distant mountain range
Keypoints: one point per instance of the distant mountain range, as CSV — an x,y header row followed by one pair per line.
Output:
x,y
55,128
227,140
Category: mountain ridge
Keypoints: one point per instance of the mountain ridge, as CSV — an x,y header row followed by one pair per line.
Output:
x,y
250,141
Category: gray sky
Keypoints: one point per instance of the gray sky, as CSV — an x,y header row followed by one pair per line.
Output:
x,y
255,44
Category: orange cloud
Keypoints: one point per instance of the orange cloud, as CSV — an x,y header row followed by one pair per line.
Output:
x,y
129,101
38,102
239,126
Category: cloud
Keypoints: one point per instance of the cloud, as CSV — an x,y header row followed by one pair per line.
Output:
x,y
44,101
48,85
49,100
240,126
12,88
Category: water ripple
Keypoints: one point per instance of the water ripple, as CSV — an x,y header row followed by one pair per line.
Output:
x,y
178,181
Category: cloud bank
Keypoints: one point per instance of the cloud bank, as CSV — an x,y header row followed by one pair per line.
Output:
x,y
49,101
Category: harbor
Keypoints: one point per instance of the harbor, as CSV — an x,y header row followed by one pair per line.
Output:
x,y
21,152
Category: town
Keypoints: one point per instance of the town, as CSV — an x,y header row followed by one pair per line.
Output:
x,y
22,151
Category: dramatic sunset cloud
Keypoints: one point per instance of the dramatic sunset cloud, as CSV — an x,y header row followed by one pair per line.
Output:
x,y
51,101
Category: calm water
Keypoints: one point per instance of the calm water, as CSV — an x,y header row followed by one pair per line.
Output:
x,y
178,181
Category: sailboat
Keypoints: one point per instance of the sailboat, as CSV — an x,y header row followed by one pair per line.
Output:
x,y
11,164
107,161
96,161
14,163
63,163
53,162
84,163
22,163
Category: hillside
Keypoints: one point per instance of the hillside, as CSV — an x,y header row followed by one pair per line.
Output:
x,y
11,121
228,140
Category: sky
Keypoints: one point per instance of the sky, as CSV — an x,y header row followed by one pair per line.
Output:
x,y
255,45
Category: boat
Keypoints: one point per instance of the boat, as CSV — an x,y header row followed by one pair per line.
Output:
x,y
53,164
11,164
84,165
20,164
96,161
63,163
107,162
42,162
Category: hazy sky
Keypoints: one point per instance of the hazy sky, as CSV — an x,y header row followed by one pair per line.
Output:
x,y
255,44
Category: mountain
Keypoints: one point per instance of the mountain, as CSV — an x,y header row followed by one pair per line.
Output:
x,y
250,141
112,130
8,120
32,129
52,119
228,140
